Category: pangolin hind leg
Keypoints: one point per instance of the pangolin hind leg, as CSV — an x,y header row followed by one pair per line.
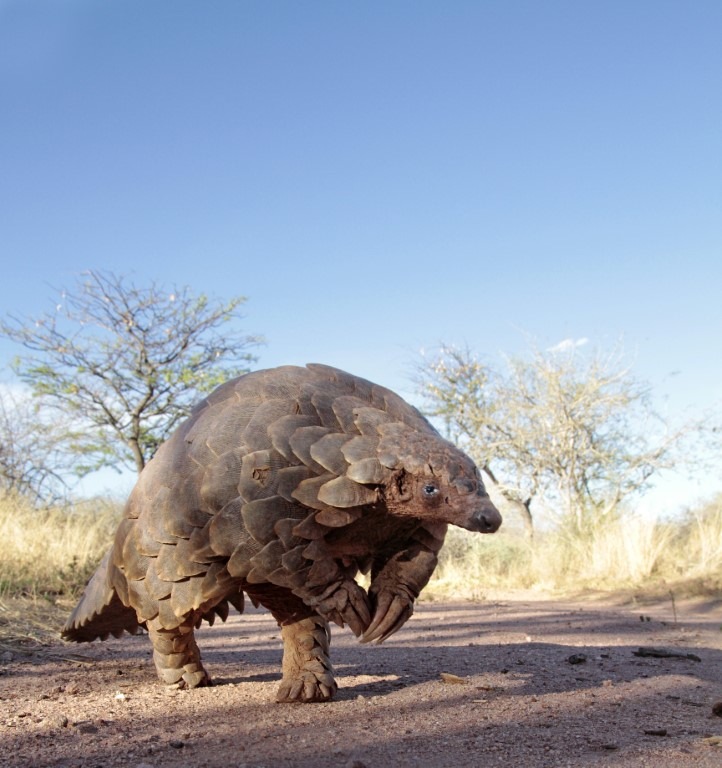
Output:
x,y
176,655
307,669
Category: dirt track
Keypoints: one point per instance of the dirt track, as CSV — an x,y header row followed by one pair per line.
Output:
x,y
520,701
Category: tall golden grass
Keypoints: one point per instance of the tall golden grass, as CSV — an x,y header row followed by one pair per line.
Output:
x,y
683,555
51,552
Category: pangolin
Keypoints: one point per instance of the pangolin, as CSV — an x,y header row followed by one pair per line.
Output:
x,y
283,484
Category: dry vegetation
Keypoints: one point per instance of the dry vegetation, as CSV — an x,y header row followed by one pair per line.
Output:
x,y
47,556
52,551
682,556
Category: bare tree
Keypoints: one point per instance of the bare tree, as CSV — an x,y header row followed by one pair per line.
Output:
x,y
574,430
124,364
34,462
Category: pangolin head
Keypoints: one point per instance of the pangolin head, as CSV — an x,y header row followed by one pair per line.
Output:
x,y
433,480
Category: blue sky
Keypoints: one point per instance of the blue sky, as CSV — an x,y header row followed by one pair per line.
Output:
x,y
380,177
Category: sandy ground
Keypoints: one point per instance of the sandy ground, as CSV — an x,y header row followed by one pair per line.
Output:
x,y
507,683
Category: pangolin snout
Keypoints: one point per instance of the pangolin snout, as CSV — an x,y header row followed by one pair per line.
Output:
x,y
486,519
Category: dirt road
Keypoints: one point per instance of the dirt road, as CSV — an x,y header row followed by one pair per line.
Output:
x,y
511,683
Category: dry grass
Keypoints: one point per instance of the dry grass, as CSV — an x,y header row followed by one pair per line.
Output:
x,y
683,555
49,552
26,623
48,555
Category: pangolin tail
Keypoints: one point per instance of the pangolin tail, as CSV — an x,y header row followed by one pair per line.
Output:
x,y
100,612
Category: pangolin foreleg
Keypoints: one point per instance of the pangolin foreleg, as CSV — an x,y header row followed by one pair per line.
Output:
x,y
397,581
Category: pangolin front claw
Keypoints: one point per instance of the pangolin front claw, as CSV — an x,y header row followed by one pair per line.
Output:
x,y
357,612
349,604
392,612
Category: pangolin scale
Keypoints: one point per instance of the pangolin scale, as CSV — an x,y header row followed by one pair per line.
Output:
x,y
283,484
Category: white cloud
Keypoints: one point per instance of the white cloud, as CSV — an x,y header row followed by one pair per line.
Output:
x,y
568,344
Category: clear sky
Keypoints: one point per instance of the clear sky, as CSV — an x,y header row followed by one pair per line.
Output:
x,y
377,177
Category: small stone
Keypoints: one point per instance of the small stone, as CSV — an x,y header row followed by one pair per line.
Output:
x,y
176,744
717,708
6,657
656,732
61,721
577,658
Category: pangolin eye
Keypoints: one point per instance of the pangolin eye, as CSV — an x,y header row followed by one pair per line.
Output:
x,y
430,490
